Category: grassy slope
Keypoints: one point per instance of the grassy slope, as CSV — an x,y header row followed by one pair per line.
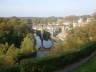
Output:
x,y
90,66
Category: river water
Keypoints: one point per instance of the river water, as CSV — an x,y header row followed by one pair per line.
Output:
x,y
46,44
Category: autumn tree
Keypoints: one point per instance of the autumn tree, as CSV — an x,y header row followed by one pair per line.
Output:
x,y
27,46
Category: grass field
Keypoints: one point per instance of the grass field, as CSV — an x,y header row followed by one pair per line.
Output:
x,y
90,66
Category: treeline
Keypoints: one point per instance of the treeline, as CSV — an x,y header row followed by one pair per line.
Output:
x,y
41,20
51,20
13,30
16,40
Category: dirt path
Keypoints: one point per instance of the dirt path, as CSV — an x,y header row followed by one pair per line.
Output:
x,y
76,65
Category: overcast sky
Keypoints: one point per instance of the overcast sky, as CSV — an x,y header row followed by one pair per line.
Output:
x,y
45,8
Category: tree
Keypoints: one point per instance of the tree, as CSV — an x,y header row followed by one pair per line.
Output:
x,y
8,52
13,30
71,18
29,21
11,50
27,46
11,54
4,48
46,35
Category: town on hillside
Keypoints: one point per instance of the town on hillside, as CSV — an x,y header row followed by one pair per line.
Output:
x,y
59,29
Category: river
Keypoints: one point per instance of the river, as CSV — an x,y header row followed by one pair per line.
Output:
x,y
46,44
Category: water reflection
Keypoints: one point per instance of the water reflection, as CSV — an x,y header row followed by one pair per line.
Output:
x,y
46,43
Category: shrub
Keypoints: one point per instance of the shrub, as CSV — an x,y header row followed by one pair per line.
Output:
x,y
6,60
14,68
2,60
46,64
49,63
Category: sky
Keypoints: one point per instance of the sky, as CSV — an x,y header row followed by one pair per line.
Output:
x,y
45,8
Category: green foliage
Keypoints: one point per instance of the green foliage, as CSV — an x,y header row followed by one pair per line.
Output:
x,y
12,30
76,38
3,48
6,60
6,49
8,54
46,64
14,68
43,20
71,18
27,45
29,21
46,35
5,32
12,53
86,33
62,46
2,60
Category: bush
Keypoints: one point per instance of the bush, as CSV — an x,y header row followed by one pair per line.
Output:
x,y
21,56
2,60
49,63
15,68
6,60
